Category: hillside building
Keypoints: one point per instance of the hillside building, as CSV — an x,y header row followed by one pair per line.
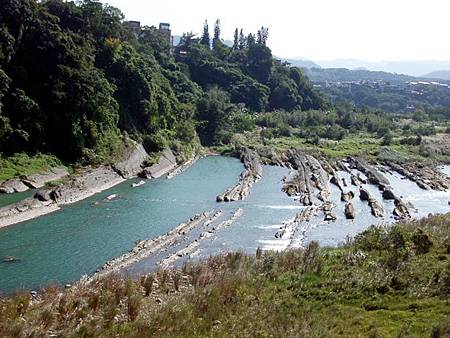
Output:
x,y
133,26
164,28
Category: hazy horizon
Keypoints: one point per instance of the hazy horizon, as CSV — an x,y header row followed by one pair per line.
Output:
x,y
325,29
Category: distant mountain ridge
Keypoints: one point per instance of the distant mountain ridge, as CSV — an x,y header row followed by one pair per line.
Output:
x,y
302,63
411,68
344,74
438,74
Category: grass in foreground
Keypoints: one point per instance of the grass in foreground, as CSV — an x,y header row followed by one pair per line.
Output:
x,y
389,282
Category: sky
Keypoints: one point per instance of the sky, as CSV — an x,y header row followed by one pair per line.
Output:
x,y
370,30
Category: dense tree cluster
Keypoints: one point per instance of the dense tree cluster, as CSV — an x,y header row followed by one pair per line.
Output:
x,y
74,80
333,125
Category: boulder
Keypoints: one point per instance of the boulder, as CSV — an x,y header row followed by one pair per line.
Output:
x,y
401,210
357,180
327,208
375,206
350,211
388,194
337,182
347,196
166,163
12,186
364,195
43,195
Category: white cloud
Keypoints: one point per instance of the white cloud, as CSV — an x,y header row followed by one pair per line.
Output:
x,y
372,30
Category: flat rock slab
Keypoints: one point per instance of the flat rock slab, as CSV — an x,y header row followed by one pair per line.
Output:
x,y
131,163
12,186
86,184
166,163
38,181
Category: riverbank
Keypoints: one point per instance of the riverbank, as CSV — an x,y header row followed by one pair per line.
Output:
x,y
90,181
386,283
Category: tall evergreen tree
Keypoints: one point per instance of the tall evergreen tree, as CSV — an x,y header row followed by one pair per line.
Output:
x,y
262,36
206,40
250,40
242,40
236,39
216,38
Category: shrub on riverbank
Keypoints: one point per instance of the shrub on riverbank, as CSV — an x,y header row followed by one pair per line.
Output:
x,y
23,164
388,282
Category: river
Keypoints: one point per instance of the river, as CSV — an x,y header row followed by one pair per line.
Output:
x,y
63,246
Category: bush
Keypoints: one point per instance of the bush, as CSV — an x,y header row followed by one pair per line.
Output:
x,y
387,139
266,134
422,242
154,143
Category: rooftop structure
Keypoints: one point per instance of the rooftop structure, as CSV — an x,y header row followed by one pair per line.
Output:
x,y
133,26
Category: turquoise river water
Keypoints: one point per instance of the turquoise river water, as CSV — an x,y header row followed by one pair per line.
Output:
x,y
63,246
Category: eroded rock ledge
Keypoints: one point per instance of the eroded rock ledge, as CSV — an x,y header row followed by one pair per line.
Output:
x,y
251,175
310,176
373,175
375,206
148,247
35,181
426,177
192,247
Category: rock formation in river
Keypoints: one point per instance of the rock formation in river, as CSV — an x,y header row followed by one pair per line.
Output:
x,y
327,209
310,177
251,174
375,206
425,176
304,216
357,180
347,196
388,194
401,210
373,175
350,211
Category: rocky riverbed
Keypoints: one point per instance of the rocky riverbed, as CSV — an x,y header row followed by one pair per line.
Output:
x,y
309,183
146,248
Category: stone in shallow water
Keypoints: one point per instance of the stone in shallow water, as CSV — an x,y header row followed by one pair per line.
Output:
x,y
349,211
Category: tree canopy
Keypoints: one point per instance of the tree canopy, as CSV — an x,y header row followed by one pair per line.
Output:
x,y
74,80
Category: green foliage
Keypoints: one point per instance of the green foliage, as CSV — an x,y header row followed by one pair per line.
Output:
x,y
387,139
72,79
205,39
212,110
21,164
247,73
